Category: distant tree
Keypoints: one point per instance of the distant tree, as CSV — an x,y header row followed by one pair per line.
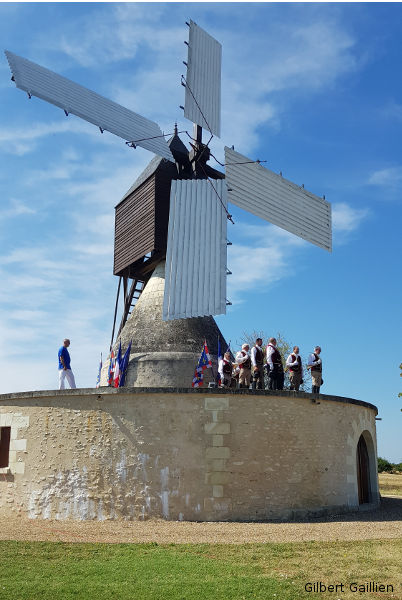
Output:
x,y
384,466
284,347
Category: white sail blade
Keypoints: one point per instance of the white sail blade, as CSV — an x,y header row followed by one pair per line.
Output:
x,y
78,100
196,260
277,200
203,89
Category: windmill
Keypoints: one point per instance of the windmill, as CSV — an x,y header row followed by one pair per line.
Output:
x,y
178,209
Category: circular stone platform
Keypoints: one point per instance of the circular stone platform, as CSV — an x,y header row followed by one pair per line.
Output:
x,y
183,454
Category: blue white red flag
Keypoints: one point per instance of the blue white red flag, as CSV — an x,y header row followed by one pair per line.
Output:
x,y
99,372
124,365
203,363
220,354
110,372
116,375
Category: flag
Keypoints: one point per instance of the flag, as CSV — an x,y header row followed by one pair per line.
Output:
x,y
124,365
111,369
220,356
116,375
99,373
203,363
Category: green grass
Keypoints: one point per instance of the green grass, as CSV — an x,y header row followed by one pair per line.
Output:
x,y
59,571
40,570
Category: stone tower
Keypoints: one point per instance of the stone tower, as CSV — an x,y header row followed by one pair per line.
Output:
x,y
165,353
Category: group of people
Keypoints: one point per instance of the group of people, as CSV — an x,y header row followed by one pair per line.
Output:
x,y
251,366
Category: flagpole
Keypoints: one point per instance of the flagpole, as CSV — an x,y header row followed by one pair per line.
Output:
x,y
98,379
219,353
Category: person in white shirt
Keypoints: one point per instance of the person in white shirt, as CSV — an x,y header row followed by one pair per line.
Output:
x,y
315,365
294,364
276,375
257,364
244,361
225,369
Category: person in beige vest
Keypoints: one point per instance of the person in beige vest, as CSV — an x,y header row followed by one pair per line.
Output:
x,y
257,364
315,365
244,361
294,364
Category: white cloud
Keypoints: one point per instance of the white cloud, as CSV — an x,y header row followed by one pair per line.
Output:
x,y
69,293
263,255
390,177
16,208
346,219
27,315
71,289
23,139
114,33
259,258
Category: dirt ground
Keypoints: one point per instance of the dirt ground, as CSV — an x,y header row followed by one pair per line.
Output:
x,y
383,523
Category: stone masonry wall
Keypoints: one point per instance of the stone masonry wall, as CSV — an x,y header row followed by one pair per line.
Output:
x,y
179,455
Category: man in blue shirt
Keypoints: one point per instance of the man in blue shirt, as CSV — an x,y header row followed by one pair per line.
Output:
x,y
65,371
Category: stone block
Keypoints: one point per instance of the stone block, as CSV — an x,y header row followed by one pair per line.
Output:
x,y
20,421
18,468
217,478
216,464
6,419
214,428
18,445
218,452
217,440
216,403
217,491
217,416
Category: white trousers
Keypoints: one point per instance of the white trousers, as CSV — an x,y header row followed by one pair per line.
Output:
x,y
66,374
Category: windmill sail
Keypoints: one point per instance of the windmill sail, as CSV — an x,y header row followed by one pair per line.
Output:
x,y
78,100
272,197
195,281
203,88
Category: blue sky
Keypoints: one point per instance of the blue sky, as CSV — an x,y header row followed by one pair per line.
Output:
x,y
314,89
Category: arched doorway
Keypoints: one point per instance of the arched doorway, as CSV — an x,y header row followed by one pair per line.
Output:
x,y
363,472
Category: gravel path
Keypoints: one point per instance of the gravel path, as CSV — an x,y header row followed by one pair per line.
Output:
x,y
383,523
